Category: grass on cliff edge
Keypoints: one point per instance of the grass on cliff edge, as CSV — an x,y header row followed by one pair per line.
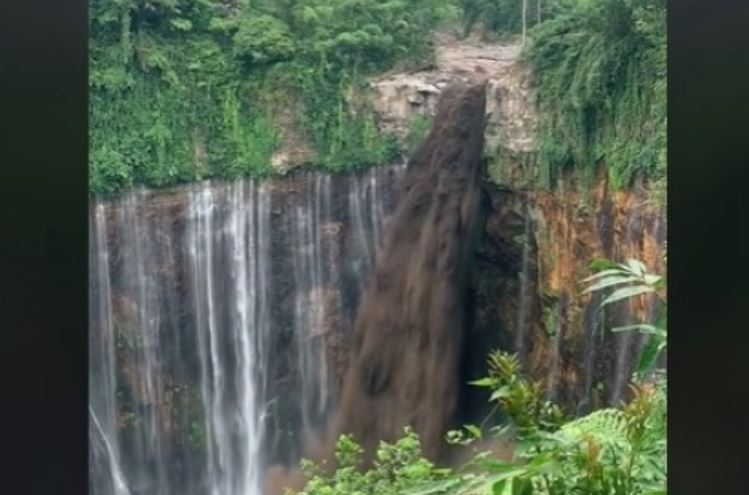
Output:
x,y
600,70
188,89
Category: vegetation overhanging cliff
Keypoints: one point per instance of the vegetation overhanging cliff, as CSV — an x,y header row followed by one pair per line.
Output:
x,y
189,89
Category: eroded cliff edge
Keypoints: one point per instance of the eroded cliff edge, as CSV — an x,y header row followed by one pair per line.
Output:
x,y
537,241
312,240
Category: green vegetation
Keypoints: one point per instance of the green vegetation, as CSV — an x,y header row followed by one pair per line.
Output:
x,y
505,16
609,451
600,70
186,89
631,280
600,67
613,451
397,467
417,131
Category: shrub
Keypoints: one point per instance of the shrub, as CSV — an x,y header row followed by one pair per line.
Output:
x,y
263,39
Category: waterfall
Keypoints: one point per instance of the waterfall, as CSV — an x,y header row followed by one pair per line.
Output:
x,y
102,382
228,260
310,301
221,315
523,296
562,336
119,487
217,313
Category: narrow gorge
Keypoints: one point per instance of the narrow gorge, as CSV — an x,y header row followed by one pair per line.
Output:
x,y
236,326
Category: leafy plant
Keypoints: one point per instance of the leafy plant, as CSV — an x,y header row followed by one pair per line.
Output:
x,y
396,468
615,451
631,280
600,71
521,399
182,90
608,452
263,39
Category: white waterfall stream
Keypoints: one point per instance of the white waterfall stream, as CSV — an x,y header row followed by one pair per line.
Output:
x,y
195,292
219,316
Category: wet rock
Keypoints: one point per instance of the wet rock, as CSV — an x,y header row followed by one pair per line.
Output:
x,y
511,118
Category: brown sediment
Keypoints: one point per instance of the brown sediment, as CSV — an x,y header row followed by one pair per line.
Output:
x,y
279,478
408,334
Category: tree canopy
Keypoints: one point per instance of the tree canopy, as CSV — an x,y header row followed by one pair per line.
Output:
x,y
186,89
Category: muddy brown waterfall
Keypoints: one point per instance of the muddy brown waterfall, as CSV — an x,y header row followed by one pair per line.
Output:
x,y
404,368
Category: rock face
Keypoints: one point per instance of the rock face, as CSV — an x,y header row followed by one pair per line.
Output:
x,y
307,246
510,111
408,335
536,248
220,315
296,147
222,327
537,244
398,98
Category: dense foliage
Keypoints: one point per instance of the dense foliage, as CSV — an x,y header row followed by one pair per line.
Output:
x,y
505,16
185,89
396,468
600,67
613,451
632,280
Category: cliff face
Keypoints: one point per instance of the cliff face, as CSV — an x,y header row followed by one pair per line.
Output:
x,y
537,243
212,296
222,314
510,114
536,249
219,322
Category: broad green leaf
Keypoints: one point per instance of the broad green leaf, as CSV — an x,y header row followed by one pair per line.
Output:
x,y
454,436
495,465
474,430
605,273
181,24
637,267
505,475
484,382
522,486
627,292
500,393
436,487
500,430
543,464
609,281
602,264
642,328
502,487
